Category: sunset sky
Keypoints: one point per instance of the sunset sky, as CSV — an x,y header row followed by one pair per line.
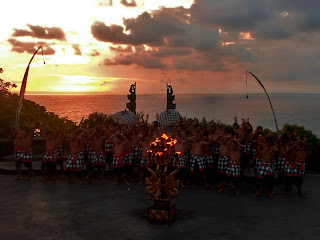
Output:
x,y
202,46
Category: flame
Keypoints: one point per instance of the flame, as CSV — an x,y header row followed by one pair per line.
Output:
x,y
178,153
159,153
149,151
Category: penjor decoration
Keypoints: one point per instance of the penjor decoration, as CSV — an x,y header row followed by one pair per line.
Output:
x,y
162,184
24,85
274,115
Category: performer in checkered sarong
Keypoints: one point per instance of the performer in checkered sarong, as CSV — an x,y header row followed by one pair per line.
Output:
x,y
75,162
290,170
281,160
59,156
302,153
120,145
23,149
223,162
96,157
109,151
233,171
48,166
267,168
196,160
136,154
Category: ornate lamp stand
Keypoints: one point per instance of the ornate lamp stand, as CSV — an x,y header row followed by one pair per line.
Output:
x,y
162,185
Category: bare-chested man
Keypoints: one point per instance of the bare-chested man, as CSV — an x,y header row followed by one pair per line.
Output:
x,y
196,160
75,162
290,166
120,143
234,169
223,162
145,160
96,158
49,160
266,169
302,153
181,157
59,148
23,149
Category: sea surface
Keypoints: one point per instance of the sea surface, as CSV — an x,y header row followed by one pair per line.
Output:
x,y
301,109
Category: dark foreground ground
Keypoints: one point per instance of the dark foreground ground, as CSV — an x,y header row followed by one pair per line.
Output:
x,y
33,210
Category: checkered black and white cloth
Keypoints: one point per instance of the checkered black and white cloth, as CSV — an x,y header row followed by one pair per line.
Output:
x,y
75,163
18,154
257,163
280,164
290,169
136,151
117,161
301,169
97,159
168,117
109,147
208,161
215,150
196,160
265,169
180,161
49,157
144,161
125,117
233,169
223,164
59,152
26,155
127,159
246,148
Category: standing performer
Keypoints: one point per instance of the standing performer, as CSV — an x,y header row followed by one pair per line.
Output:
x,y
75,162
49,161
302,153
23,149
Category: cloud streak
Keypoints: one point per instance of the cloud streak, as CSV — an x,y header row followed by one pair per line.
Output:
x,y
53,33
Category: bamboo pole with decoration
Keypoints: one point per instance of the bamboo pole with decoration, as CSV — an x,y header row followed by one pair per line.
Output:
x,y
24,85
274,115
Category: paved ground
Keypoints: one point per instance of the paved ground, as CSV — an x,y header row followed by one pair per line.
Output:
x,y
33,210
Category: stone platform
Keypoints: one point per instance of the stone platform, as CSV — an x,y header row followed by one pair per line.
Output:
x,y
34,210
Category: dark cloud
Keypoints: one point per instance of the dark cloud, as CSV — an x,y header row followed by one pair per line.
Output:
x,y
41,32
127,49
168,52
229,15
145,29
130,3
77,50
94,53
30,47
138,59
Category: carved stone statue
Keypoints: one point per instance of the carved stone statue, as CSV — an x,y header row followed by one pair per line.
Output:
x,y
132,97
170,98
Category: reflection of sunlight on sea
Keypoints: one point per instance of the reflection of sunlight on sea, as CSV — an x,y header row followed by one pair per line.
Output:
x,y
298,109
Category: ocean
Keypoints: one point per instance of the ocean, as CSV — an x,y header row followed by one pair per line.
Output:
x,y
301,109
